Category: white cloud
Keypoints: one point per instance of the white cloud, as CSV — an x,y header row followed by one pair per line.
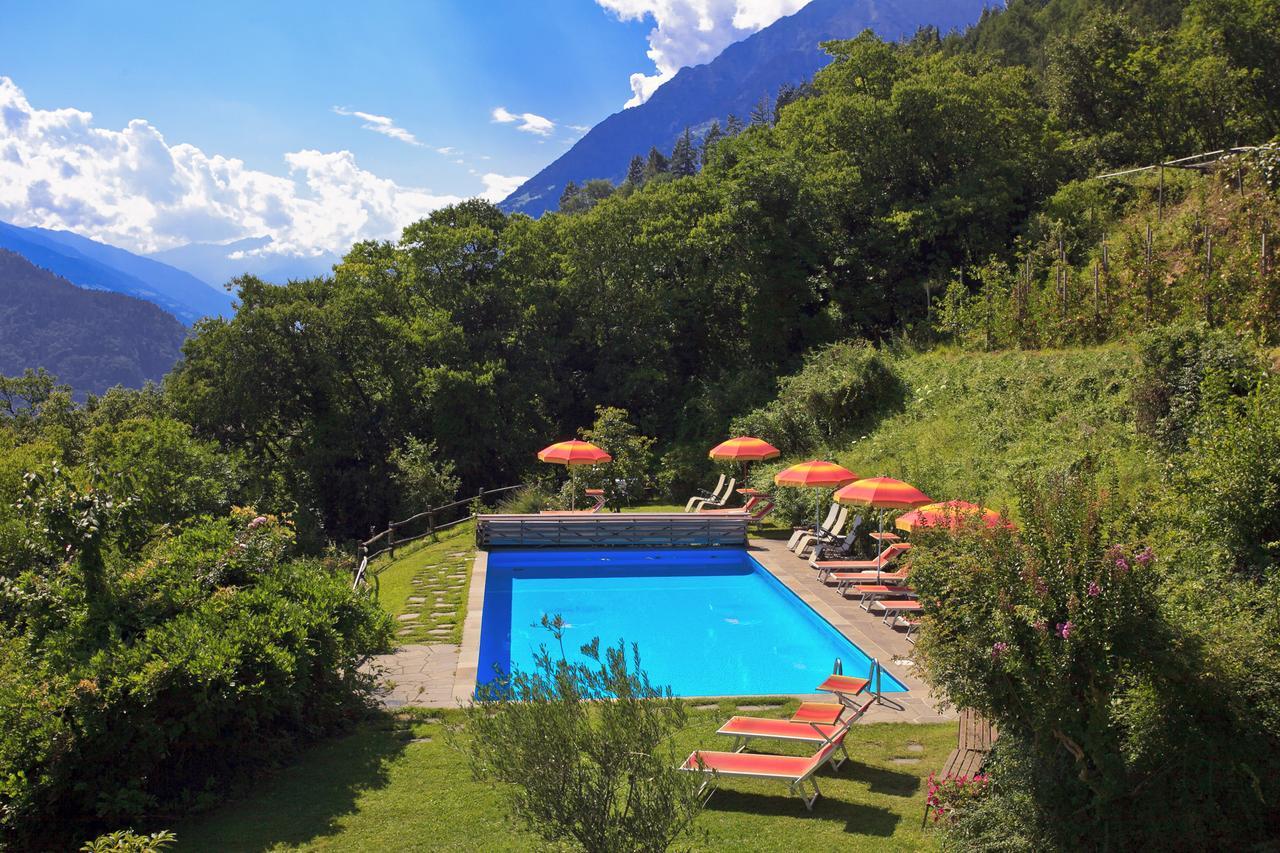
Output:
x,y
380,124
691,32
497,187
133,189
529,122
447,150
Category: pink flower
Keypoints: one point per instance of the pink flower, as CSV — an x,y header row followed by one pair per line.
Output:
x,y
1146,555
1065,629
1094,590
1122,564
258,522
1040,625
999,648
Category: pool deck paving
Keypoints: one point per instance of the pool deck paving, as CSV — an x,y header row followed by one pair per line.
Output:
x,y
444,675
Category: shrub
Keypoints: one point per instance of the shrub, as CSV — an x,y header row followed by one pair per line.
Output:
x,y
841,390
128,841
1175,361
423,478
586,750
630,475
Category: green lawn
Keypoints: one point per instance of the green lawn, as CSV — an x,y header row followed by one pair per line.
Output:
x,y
429,579
400,784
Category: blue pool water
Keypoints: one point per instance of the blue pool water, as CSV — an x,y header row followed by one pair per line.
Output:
x,y
708,621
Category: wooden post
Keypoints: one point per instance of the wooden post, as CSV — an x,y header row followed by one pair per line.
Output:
x,y
391,539
431,525
1160,206
1146,276
1097,293
1208,276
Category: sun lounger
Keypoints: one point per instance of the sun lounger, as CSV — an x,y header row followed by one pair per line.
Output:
x,y
823,537
871,593
757,507
894,609
746,729
886,557
719,500
699,499
793,770
595,494
825,525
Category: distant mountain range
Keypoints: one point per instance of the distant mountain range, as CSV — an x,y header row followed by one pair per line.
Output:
x,y
97,266
785,52
219,263
89,339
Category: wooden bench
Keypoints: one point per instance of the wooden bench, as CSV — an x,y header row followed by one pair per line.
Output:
x,y
976,736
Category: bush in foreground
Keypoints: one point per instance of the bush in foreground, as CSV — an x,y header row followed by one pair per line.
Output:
x,y
586,750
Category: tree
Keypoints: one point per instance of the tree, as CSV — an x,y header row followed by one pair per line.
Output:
x,y
789,93
635,171
425,480
572,200
655,164
709,139
733,125
631,472
586,747
684,157
762,112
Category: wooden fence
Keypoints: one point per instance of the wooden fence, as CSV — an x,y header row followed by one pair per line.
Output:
x,y
426,523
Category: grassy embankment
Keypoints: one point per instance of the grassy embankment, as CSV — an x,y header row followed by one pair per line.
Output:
x,y
403,784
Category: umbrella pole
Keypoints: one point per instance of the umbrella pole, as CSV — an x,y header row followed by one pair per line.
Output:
x,y
573,488
879,545
817,512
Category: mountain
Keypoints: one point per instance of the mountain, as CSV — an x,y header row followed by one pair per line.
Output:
x,y
89,339
786,51
216,262
98,266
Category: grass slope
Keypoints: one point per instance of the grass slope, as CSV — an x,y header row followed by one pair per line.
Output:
x,y
972,422
400,784
429,579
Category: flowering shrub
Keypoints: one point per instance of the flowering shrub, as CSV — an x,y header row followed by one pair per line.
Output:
x,y
950,795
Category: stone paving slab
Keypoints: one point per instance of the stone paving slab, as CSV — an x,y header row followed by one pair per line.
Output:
x,y
416,675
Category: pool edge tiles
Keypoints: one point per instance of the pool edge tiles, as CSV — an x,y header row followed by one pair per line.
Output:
x,y
708,621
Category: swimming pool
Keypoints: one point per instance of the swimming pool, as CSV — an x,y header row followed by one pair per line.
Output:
x,y
708,621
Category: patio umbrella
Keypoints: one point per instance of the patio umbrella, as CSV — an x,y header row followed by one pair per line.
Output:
x,y
571,453
882,493
744,449
815,474
948,513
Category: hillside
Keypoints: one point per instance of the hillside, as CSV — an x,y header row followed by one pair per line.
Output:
x,y
95,265
88,339
785,52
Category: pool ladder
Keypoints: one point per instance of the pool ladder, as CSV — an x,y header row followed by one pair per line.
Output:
x,y
873,676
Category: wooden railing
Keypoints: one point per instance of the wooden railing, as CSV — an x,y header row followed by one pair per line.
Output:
x,y
426,523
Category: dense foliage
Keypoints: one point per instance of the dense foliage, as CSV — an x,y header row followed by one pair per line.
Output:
x,y
156,640
586,749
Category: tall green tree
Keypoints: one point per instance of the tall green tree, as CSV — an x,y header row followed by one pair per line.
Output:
x,y
684,157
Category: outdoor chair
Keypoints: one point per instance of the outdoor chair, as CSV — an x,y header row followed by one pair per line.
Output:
x,y
894,609
705,496
844,548
871,593
746,729
974,740
798,532
822,537
720,500
793,770
826,568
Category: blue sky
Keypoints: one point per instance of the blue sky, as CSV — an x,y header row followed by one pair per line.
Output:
x,y
151,124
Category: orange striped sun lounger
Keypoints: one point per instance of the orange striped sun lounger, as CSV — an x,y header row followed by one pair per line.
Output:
x,y
887,557
793,770
897,608
872,593
746,729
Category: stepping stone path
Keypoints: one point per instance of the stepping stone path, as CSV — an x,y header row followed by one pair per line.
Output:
x,y
915,747
436,592
706,707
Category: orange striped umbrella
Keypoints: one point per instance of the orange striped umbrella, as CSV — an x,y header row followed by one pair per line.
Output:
x,y
744,449
573,453
569,453
882,493
946,514
815,474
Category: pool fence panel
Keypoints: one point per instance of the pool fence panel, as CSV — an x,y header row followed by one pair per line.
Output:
x,y
651,529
